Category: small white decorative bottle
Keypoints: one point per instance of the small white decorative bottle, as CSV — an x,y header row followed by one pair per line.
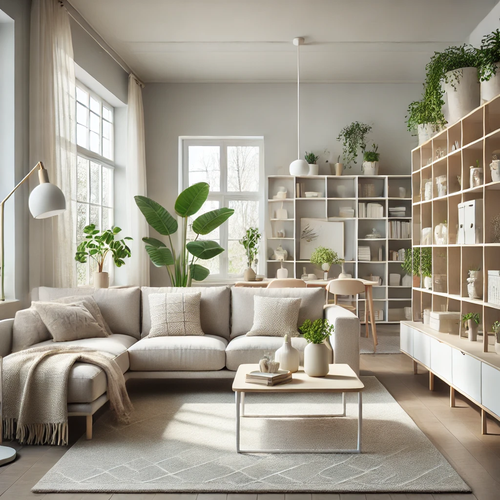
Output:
x,y
287,356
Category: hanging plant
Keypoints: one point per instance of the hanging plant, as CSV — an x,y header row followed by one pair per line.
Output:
x,y
489,56
353,138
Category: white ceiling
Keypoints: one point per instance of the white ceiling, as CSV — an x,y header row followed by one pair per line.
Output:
x,y
251,40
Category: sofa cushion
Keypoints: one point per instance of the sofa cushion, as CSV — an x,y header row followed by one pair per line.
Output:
x,y
275,317
28,329
242,307
245,349
87,382
214,308
120,307
204,353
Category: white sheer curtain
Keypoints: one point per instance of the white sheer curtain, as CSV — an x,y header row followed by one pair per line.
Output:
x,y
52,139
138,266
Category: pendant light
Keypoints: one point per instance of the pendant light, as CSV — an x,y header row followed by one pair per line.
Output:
x,y
298,166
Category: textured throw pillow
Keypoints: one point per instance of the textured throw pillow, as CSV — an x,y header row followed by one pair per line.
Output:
x,y
273,317
89,302
175,314
28,329
68,321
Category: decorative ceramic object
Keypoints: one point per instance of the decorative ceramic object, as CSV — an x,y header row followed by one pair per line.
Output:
x,y
249,274
280,233
428,190
495,170
476,176
428,282
326,269
316,360
441,185
370,168
441,234
282,272
280,253
287,356
313,169
402,192
474,284
101,280
339,167
282,213
264,365
273,366
473,326
343,274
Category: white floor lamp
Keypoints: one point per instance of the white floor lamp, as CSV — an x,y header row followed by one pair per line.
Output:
x,y
46,200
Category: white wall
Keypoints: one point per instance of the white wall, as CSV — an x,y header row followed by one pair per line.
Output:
x,y
173,110
490,23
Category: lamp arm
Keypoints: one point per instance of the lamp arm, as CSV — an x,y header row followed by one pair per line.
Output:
x,y
39,165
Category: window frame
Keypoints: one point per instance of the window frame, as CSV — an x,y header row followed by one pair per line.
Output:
x,y
223,196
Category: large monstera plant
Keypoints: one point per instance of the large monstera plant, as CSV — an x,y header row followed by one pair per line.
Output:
x,y
182,266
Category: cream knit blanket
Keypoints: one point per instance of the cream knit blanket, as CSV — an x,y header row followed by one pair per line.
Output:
x,y
35,387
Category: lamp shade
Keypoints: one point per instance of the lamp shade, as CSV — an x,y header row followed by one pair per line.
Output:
x,y
46,200
299,167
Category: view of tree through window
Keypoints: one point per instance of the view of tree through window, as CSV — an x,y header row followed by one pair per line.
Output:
x,y
232,169
95,174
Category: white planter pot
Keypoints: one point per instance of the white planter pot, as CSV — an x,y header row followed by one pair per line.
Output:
x,y
370,168
316,360
101,280
313,169
491,88
426,131
428,283
249,274
461,94
287,356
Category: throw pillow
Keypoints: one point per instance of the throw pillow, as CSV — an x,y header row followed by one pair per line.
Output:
x,y
28,329
68,321
275,317
89,302
175,314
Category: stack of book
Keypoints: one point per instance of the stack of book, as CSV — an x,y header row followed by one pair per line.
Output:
x,y
370,210
399,229
364,253
269,378
397,211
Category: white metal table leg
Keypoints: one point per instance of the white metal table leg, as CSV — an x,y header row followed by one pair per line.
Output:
x,y
360,420
242,404
238,420
343,404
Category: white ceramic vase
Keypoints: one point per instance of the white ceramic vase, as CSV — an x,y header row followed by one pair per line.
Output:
x,y
370,168
316,360
428,283
461,94
313,169
249,274
491,88
287,356
495,170
101,280
472,330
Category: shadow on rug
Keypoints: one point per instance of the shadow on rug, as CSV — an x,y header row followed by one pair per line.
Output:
x,y
182,439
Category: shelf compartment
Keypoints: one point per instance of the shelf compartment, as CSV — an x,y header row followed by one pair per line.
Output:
x,y
334,206
472,127
492,263
340,187
472,258
394,185
454,173
371,187
365,227
274,184
312,183
398,310
469,307
491,216
439,146
470,154
416,192
492,116
492,143
454,263
439,270
454,137
415,160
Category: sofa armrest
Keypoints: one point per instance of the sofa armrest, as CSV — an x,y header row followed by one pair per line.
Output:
x,y
6,326
345,339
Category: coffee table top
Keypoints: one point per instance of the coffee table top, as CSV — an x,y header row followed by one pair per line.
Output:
x,y
340,378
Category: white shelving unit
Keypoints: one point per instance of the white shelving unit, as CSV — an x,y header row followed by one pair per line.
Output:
x,y
337,192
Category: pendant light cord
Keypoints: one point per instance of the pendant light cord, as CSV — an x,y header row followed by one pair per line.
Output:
x,y
298,101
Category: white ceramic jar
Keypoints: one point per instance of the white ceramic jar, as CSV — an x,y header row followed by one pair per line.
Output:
x,y
287,356
316,360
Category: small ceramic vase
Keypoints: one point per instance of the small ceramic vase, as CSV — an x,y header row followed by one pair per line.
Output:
x,y
316,360
287,356
101,280
473,326
249,274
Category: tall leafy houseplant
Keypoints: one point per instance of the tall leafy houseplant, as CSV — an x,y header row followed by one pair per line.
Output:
x,y
250,243
353,138
489,56
182,265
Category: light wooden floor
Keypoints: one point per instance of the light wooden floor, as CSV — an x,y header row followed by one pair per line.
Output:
x,y
455,432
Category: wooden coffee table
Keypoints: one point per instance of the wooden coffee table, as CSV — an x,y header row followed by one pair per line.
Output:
x,y
340,379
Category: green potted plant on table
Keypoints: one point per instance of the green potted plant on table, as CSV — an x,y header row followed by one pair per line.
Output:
x,y
489,64
97,245
316,352
496,330
182,265
471,322
250,243
312,160
370,161
353,138
325,257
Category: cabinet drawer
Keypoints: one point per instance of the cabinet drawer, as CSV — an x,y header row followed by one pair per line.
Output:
x,y
441,360
422,347
406,339
466,374
490,395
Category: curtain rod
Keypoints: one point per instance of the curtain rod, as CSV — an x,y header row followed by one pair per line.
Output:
x,y
98,39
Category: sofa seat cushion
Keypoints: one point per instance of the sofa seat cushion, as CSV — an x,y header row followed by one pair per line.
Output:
x,y
203,353
87,382
243,350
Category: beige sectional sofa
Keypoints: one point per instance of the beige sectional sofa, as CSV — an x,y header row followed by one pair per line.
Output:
x,y
226,316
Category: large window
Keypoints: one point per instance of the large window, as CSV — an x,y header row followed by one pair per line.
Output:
x,y
95,175
233,168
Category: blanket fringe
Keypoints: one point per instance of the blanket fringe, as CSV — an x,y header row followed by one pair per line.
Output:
x,y
51,434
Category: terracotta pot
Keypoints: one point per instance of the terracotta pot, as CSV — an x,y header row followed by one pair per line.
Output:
x,y
416,281
316,360
101,280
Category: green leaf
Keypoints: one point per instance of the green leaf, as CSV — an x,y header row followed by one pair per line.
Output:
x,y
199,273
116,230
204,249
206,223
156,216
191,199
153,242
160,256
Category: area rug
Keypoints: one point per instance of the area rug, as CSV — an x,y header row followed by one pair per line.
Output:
x,y
182,439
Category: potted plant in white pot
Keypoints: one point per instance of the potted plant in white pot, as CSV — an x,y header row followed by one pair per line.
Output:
x,y
316,353
489,65
424,119
250,243
426,266
325,257
370,161
471,322
353,138
97,245
312,161
411,266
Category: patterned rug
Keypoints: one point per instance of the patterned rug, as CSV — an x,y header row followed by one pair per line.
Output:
x,y
182,439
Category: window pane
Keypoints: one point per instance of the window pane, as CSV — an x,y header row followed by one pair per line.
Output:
x,y
237,259
82,136
95,143
207,207
106,149
107,218
95,194
82,179
95,106
107,113
106,129
82,96
81,221
242,168
81,274
107,187
94,123
95,217
82,114
246,214
204,166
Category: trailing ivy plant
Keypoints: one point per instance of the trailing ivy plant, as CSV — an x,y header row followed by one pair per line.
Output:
x,y
317,331
423,112
489,55
353,138
182,265
426,262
